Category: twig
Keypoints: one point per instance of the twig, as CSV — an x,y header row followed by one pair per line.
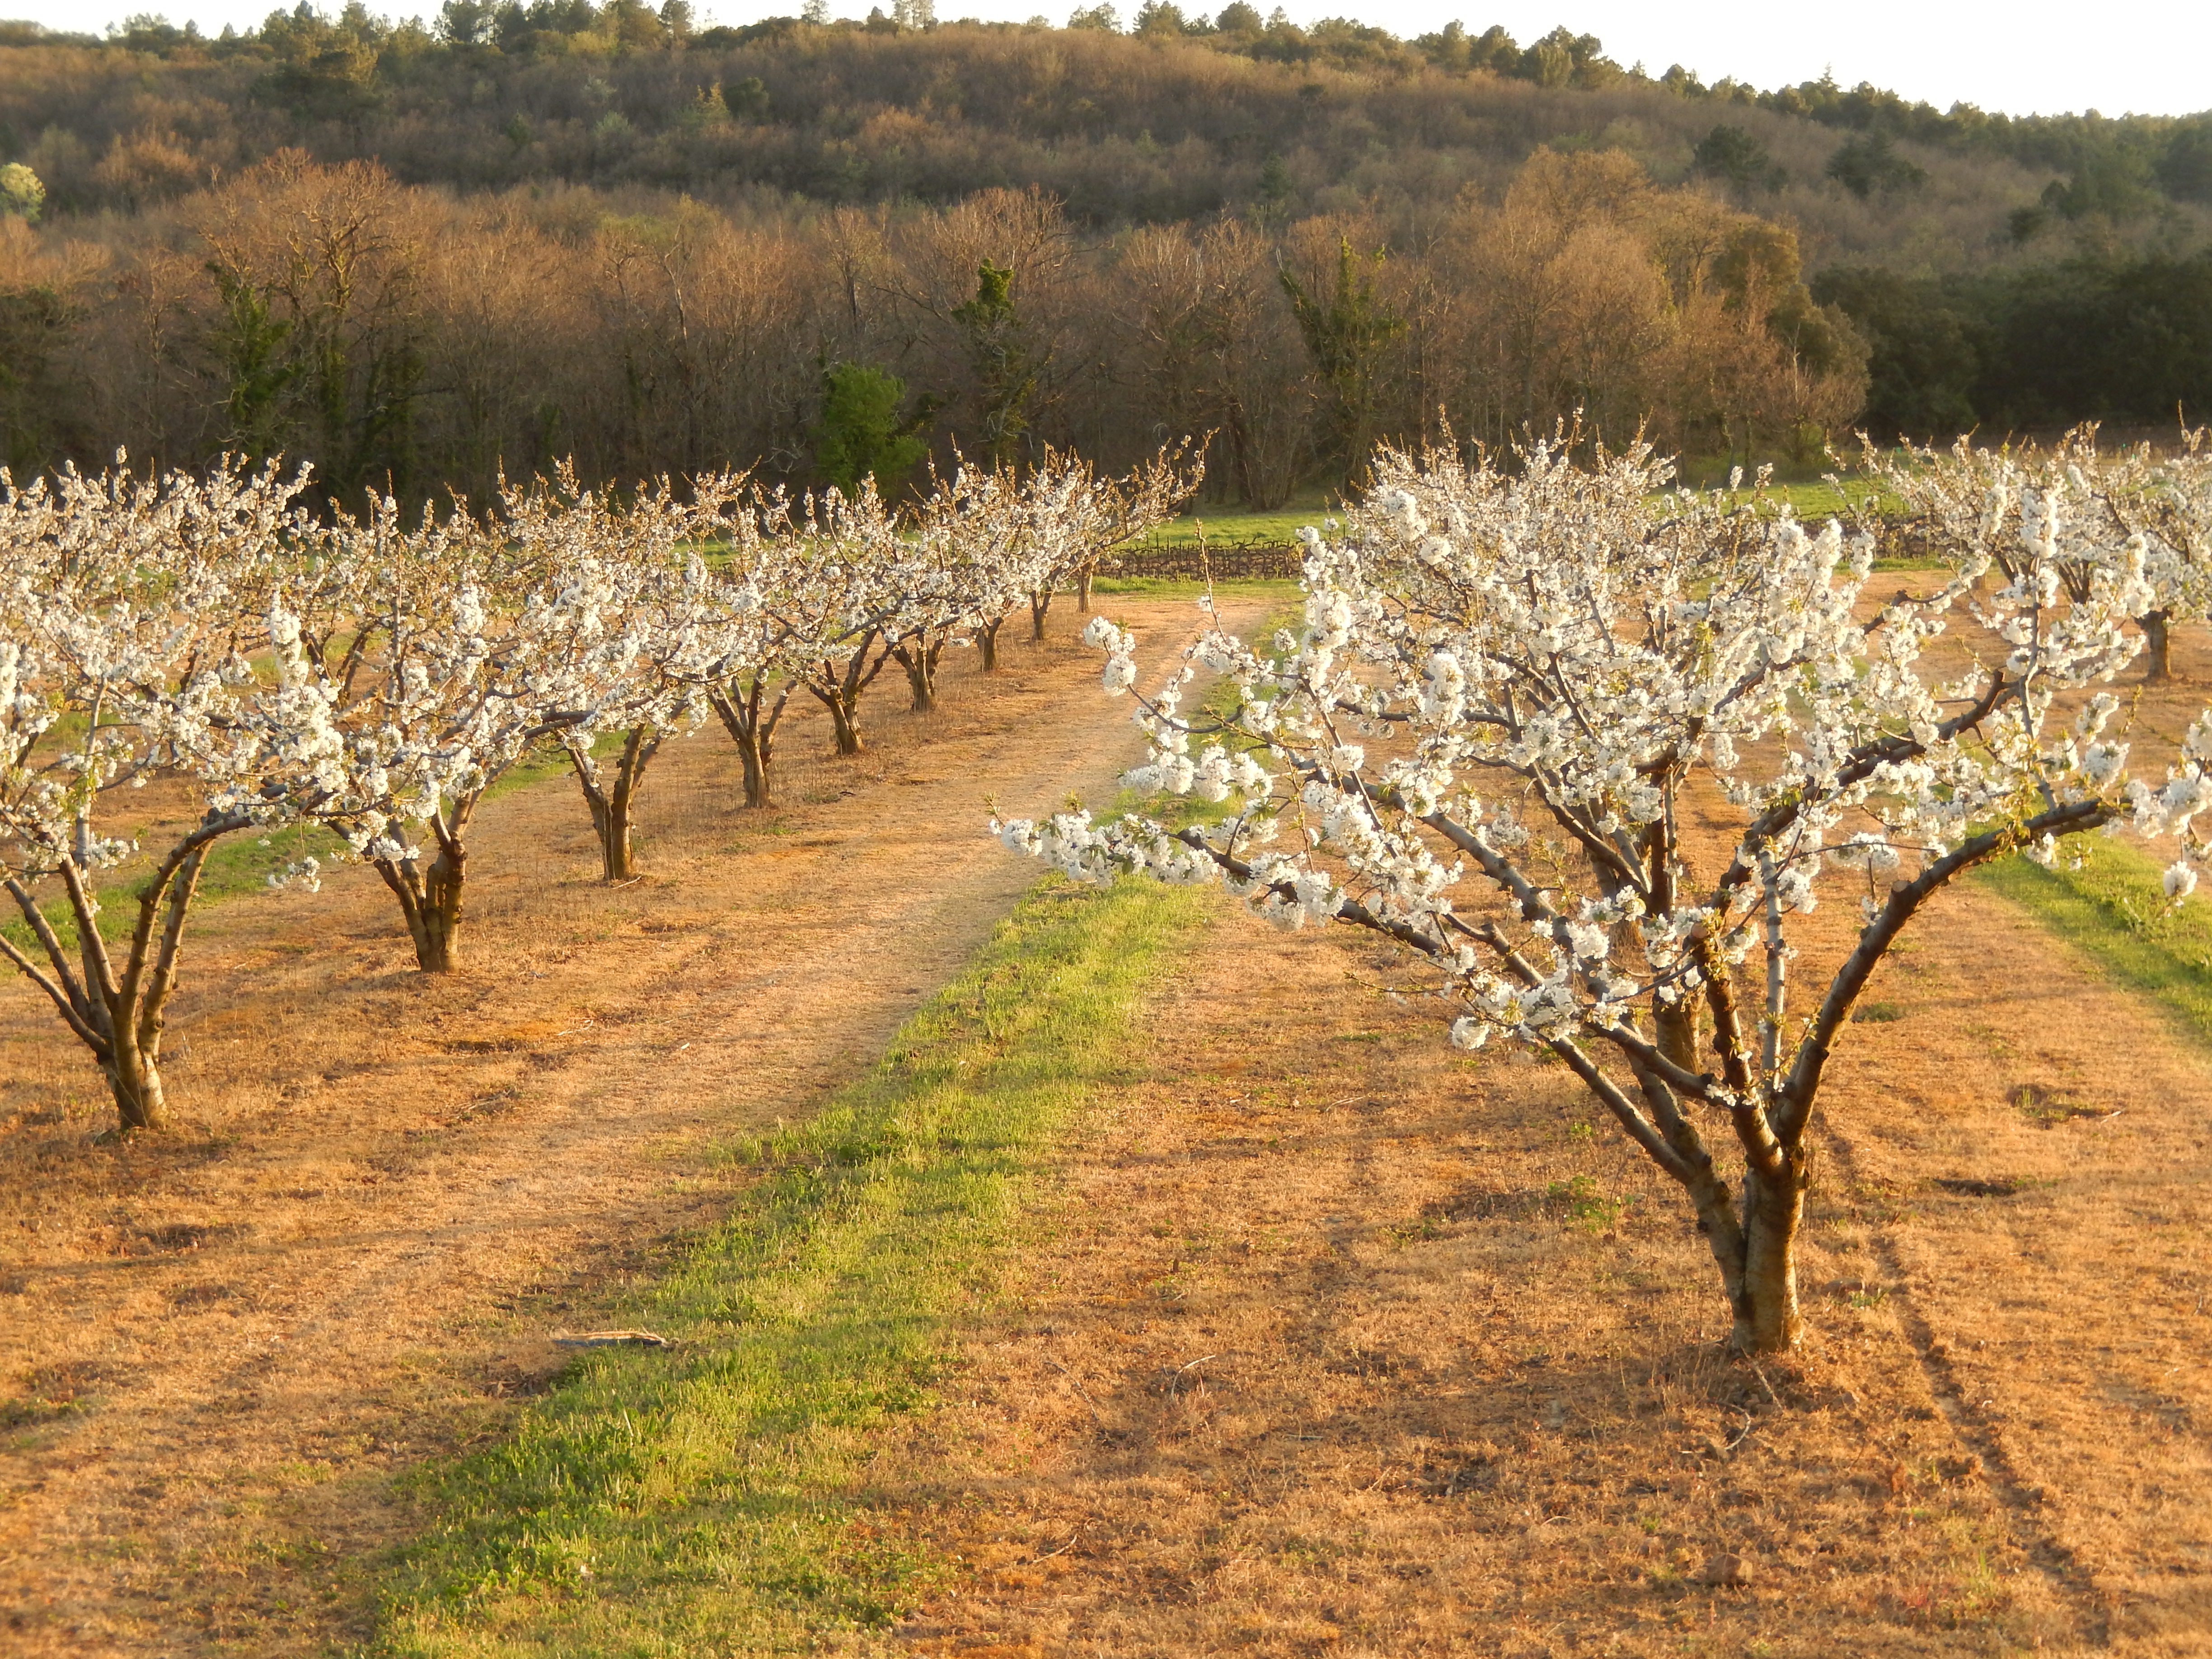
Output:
x,y
1174,1381
612,1339
1742,1433
1062,1550
1761,1375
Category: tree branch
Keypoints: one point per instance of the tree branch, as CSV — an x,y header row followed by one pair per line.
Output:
x,y
1798,1093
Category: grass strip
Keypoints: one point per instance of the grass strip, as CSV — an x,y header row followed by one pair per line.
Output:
x,y
2113,909
712,1497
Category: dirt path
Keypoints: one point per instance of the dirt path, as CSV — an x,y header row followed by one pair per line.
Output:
x,y
219,1346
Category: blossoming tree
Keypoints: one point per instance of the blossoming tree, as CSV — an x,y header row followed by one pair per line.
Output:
x,y
848,549
2084,513
117,669
629,667
1484,744
449,649
1090,516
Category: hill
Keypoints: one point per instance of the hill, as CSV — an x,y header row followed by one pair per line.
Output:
x,y
1178,120
419,253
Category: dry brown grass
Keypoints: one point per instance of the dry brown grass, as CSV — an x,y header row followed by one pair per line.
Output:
x,y
384,1192
1340,1344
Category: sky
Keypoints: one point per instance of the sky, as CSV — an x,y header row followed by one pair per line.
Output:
x,y
2027,57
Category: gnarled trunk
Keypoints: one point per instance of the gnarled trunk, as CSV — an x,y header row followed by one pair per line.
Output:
x,y
1754,1245
134,1081
844,718
986,640
1041,602
839,689
1676,1027
1082,595
1767,1320
120,1016
751,719
430,895
919,657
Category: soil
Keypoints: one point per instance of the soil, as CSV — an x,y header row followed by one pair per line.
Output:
x,y
1340,1342
385,1191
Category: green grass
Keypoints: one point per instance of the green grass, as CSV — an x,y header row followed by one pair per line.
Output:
x,y
1232,527
1813,499
2114,910
1170,587
712,1497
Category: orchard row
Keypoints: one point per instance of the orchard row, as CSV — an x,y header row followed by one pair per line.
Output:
x,y
375,676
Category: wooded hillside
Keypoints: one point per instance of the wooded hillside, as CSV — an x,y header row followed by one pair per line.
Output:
x,y
418,253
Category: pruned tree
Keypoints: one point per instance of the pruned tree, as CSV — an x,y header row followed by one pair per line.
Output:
x,y
848,545
627,664
1087,517
117,669
452,648
1485,742
751,624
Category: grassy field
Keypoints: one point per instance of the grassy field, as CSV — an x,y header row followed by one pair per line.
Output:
x,y
614,1519
1228,526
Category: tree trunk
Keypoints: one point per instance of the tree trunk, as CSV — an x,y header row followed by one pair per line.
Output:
x,y
611,809
1767,1320
1675,1032
2158,645
120,1017
838,689
1082,592
752,727
431,899
136,1082
844,719
987,639
1039,605
920,661
442,892
755,764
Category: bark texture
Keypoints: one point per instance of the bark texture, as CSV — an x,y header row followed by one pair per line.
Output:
x,y
430,895
750,716
2158,645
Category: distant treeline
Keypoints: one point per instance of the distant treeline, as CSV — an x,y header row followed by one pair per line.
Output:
x,y
356,64
1185,116
404,338
577,228
2121,338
